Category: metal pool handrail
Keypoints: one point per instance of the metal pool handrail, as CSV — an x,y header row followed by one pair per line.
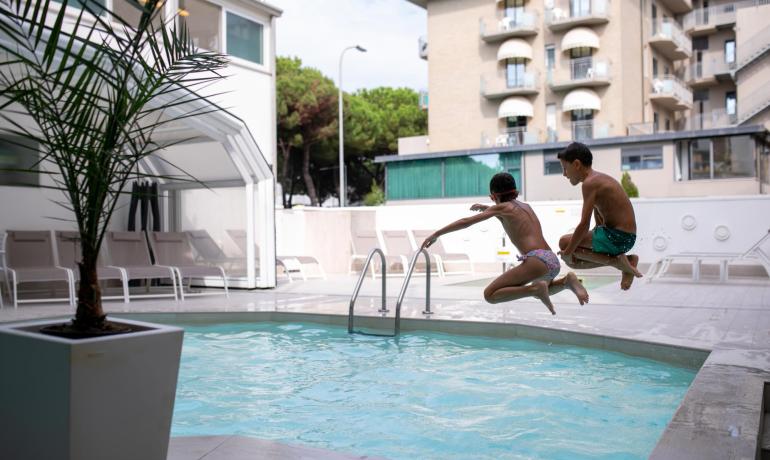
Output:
x,y
353,298
401,295
406,284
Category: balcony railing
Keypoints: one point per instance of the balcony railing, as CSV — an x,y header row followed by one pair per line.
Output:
x,y
585,71
520,135
712,119
707,70
669,38
710,17
589,129
501,83
422,47
575,12
671,92
520,24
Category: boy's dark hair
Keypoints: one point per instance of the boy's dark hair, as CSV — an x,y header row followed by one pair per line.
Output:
x,y
503,185
576,151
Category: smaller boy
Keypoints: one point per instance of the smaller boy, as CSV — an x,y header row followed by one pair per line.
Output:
x,y
539,264
615,231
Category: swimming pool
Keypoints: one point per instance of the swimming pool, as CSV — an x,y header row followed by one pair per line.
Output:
x,y
424,395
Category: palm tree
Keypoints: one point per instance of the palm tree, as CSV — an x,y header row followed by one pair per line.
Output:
x,y
90,89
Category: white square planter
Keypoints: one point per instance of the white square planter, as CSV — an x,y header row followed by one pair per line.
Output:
x,y
99,398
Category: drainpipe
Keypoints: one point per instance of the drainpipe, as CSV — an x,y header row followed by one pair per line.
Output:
x,y
641,47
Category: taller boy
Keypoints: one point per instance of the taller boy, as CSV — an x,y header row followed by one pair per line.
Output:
x,y
615,231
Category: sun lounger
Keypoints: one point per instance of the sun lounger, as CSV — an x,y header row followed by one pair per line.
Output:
x,y
398,247
173,249
30,258
209,252
361,243
68,247
725,259
441,257
129,251
289,263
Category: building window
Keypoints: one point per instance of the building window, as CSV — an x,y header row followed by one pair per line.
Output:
x,y
717,158
700,43
634,158
730,51
202,20
131,13
655,122
700,95
579,8
582,124
655,67
550,61
550,123
654,19
515,71
581,62
551,164
244,38
514,9
731,104
668,124
19,154
449,177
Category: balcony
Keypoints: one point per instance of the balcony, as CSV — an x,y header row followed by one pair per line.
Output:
x,y
500,85
521,24
705,21
671,93
422,47
577,13
589,129
586,71
520,135
709,73
677,6
669,39
710,120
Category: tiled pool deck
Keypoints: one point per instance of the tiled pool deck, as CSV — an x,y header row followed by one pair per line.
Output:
x,y
727,324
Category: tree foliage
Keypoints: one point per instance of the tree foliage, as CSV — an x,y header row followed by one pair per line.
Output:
x,y
374,120
628,185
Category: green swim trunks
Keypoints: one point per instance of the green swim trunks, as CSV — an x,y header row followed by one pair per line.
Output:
x,y
612,241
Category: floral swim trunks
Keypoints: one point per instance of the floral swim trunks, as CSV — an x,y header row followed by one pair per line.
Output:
x,y
548,258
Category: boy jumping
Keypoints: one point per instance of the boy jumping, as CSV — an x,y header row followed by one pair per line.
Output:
x,y
539,264
615,231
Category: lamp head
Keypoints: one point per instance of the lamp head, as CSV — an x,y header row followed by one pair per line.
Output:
x,y
361,49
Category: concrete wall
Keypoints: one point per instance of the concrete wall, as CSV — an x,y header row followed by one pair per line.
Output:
x,y
412,145
752,79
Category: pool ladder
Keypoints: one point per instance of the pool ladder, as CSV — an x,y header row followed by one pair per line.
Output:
x,y
407,278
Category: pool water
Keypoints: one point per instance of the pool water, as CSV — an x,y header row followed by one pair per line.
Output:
x,y
422,396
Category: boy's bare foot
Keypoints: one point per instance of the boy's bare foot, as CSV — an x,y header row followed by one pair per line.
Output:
x,y
627,265
574,284
541,292
628,278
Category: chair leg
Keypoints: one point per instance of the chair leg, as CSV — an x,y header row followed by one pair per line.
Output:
x,y
224,282
15,290
177,274
124,281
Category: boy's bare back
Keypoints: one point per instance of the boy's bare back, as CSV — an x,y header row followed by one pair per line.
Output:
x,y
610,202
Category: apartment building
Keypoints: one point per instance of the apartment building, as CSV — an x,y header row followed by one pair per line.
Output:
x,y
666,89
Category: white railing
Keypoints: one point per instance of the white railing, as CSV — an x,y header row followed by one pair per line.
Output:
x,y
501,82
671,30
638,129
754,47
709,68
670,85
711,119
712,16
589,129
587,68
526,20
520,135
577,9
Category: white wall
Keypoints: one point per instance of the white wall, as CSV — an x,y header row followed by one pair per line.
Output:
x,y
659,221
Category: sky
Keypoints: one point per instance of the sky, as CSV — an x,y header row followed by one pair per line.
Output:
x,y
317,31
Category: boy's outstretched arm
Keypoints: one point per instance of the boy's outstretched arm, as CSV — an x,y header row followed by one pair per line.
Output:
x,y
589,198
465,222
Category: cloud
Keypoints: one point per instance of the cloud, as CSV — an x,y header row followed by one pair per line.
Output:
x,y
318,30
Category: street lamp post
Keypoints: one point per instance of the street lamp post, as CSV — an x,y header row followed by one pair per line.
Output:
x,y
342,145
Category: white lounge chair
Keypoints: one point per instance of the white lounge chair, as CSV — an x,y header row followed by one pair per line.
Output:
x,y
129,251
289,263
755,253
398,247
361,243
443,258
69,252
29,257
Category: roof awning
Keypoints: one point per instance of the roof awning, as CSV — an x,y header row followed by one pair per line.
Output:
x,y
581,99
514,48
515,107
580,37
